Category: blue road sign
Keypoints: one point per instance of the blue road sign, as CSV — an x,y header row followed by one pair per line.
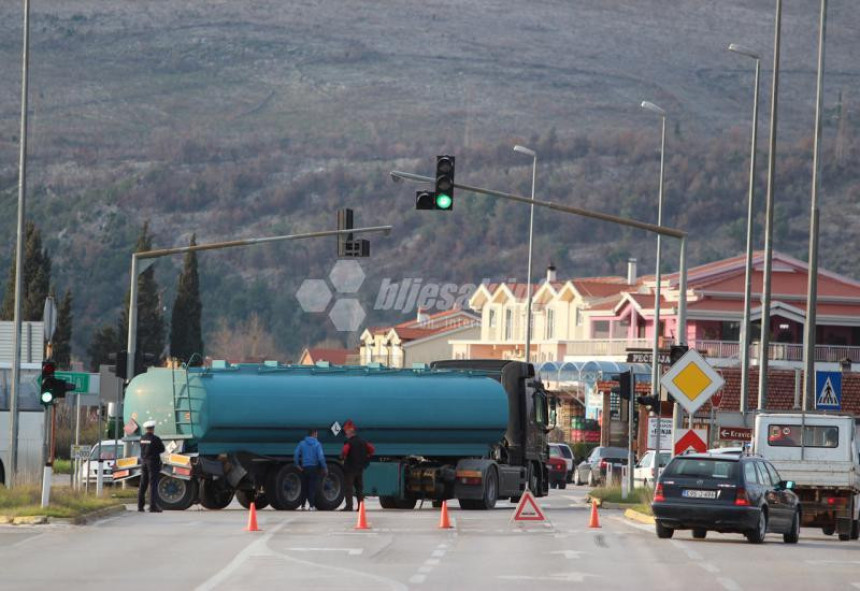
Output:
x,y
828,390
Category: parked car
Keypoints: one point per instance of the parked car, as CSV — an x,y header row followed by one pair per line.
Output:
x,y
643,473
89,470
725,493
563,451
593,469
557,469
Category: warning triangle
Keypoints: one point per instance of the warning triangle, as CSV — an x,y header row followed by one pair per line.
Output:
x,y
827,396
528,509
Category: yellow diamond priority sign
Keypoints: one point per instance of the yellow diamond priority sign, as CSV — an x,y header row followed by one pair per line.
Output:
x,y
692,381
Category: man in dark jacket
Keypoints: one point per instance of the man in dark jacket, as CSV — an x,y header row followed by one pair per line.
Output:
x,y
355,457
310,460
151,448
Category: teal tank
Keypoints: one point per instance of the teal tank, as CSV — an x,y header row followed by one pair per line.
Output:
x,y
267,410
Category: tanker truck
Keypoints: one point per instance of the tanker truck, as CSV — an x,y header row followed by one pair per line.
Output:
x,y
471,430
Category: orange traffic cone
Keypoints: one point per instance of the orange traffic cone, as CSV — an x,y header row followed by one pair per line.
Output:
x,y
594,522
444,521
252,519
362,518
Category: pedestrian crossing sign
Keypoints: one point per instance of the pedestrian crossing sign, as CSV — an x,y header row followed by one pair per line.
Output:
x,y
828,390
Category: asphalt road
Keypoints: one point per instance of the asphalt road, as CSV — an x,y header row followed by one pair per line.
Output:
x,y
198,549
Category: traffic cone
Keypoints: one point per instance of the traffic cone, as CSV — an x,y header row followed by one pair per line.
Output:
x,y
444,521
362,518
252,519
594,522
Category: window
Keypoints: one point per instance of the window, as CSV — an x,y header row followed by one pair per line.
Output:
x,y
550,323
492,318
774,475
690,468
577,317
750,473
540,409
763,476
509,324
813,436
600,329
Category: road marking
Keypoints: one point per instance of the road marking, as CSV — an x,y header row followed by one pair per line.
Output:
x,y
26,541
438,553
425,569
432,561
558,577
833,561
728,584
691,554
570,554
350,551
708,567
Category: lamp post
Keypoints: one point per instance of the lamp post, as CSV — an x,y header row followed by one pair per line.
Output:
x,y
533,154
764,344
655,354
745,325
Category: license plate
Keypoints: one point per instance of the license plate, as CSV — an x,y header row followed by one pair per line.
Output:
x,y
120,474
699,494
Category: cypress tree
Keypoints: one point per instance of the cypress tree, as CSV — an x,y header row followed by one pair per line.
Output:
x,y
36,279
150,321
186,337
63,334
105,342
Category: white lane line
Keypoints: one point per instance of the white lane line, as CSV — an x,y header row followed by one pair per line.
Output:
x,y
438,553
417,579
691,554
855,585
431,561
425,569
26,541
708,567
350,551
728,584
570,554
256,547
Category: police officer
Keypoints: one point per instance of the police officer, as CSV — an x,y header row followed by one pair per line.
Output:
x,y
151,448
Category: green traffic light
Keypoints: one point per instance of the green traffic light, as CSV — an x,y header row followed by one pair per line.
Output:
x,y
47,397
444,201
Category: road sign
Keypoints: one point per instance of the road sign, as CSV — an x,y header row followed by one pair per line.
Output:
x,y
717,398
528,509
692,381
79,379
828,390
735,434
335,428
690,439
665,432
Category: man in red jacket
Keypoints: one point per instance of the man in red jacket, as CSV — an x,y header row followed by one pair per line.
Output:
x,y
355,456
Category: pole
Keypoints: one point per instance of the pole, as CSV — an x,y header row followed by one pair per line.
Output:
x,y
745,326
768,235
529,273
655,351
19,254
46,462
77,462
99,476
631,407
812,280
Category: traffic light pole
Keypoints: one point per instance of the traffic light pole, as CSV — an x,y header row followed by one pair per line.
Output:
x,y
154,254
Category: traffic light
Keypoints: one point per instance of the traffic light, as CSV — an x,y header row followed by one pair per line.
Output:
x,y
676,352
347,246
52,388
625,384
444,197
649,401
425,200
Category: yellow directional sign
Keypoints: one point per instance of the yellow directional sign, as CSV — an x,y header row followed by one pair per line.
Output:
x,y
692,381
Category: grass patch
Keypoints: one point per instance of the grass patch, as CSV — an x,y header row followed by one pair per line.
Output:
x,y
26,500
612,494
62,466
643,508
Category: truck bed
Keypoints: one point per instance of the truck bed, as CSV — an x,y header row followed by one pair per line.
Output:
x,y
822,474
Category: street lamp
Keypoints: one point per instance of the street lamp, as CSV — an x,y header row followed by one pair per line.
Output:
x,y
655,352
745,325
533,154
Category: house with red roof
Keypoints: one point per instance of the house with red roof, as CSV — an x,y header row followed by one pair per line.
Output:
x,y
312,356
424,339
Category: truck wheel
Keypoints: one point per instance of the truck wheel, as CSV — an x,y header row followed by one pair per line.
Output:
x,y
246,497
844,537
470,504
562,485
284,490
330,493
175,494
828,530
387,502
855,529
215,494
491,489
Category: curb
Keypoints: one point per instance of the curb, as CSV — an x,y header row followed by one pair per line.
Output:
x,y
79,520
634,515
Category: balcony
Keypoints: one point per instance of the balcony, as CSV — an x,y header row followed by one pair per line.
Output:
x,y
604,347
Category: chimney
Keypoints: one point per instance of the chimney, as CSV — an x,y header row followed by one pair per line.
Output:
x,y
631,271
550,273
422,315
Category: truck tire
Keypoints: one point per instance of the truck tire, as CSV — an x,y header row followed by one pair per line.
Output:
x,y
330,492
246,497
387,502
394,503
855,529
844,537
828,530
175,494
215,494
284,489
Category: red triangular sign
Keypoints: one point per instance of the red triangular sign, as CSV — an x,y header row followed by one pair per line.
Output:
x,y
528,509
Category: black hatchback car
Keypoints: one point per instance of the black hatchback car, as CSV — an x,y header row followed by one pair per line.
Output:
x,y
728,494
